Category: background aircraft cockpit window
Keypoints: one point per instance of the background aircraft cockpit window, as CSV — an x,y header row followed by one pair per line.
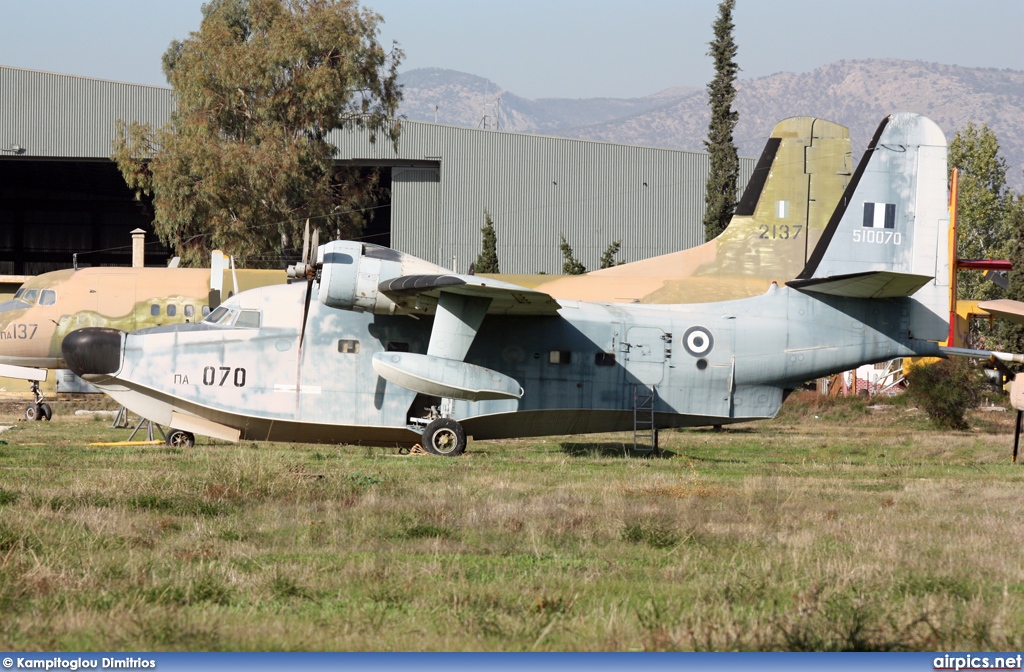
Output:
x,y
349,346
172,310
48,297
154,310
30,295
18,294
248,319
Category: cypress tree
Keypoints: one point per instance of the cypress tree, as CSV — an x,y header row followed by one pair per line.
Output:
x,y
571,265
608,258
487,262
720,195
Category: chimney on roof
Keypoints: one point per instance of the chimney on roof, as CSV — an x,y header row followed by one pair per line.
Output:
x,y
138,248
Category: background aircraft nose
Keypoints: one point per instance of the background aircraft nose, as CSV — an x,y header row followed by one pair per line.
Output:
x,y
93,350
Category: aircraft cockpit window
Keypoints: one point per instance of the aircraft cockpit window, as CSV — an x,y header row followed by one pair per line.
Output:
x,y
48,297
248,319
217,315
604,359
30,295
559,357
348,346
172,310
154,310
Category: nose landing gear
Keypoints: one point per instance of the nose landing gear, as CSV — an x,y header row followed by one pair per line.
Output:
x,y
39,410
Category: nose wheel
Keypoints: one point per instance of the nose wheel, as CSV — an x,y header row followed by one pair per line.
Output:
x,y
38,410
180,439
444,437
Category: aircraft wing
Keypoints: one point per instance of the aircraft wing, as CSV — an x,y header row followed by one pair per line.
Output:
x,y
1006,309
422,292
867,285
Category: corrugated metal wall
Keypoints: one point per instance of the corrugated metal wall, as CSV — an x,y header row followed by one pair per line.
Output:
x,y
537,188
52,115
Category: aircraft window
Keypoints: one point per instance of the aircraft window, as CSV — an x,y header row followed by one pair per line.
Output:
x,y
154,310
349,346
18,294
172,310
559,357
48,297
190,310
206,311
397,346
604,359
30,295
248,319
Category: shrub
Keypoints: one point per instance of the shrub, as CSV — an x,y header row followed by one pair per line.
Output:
x,y
945,390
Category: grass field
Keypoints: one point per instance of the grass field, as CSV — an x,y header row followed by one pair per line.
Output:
x,y
830,528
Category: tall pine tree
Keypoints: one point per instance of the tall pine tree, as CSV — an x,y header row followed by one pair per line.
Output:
x,y
720,196
487,261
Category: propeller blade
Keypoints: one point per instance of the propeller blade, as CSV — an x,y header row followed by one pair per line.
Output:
x,y
314,248
305,314
305,245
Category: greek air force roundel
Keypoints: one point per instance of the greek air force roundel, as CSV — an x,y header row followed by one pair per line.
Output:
x,y
698,341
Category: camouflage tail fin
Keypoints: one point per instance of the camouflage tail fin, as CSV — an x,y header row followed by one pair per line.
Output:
x,y
888,237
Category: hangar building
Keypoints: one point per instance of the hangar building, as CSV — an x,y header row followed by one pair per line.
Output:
x,y
60,194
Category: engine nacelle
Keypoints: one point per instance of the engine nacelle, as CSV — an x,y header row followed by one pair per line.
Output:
x,y
352,271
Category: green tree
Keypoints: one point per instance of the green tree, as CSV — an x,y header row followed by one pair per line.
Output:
x,y
945,390
487,261
245,160
720,193
985,206
571,265
608,258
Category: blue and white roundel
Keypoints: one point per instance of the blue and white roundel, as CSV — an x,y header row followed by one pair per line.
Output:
x,y
698,341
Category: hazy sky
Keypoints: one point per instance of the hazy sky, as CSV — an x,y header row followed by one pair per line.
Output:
x,y
552,48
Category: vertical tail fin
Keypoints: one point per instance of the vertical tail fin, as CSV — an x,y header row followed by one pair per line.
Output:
x,y
888,236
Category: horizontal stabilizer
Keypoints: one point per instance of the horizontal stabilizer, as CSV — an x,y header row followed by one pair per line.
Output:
x,y
440,377
22,372
867,285
1006,309
423,291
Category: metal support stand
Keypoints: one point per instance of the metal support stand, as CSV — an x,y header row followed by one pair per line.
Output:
x,y
121,421
149,430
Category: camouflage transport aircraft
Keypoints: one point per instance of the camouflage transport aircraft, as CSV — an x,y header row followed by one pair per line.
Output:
x,y
796,184
397,351
50,306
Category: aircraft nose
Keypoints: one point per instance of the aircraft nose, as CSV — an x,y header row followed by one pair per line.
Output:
x,y
93,350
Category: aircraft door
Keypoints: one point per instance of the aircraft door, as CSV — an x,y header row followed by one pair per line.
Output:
x,y
644,354
116,300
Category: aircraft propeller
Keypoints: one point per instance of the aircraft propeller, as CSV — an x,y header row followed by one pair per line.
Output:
x,y
309,270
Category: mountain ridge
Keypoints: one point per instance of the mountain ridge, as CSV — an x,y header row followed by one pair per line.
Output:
x,y
855,93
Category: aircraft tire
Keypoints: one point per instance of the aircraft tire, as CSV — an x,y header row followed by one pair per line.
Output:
x,y
444,437
45,412
181,439
32,412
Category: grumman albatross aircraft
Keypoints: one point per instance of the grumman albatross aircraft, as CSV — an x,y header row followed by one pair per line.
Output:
x,y
802,172
395,350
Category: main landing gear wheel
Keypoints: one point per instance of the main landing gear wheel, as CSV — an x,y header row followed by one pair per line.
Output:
x,y
38,412
181,439
444,437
